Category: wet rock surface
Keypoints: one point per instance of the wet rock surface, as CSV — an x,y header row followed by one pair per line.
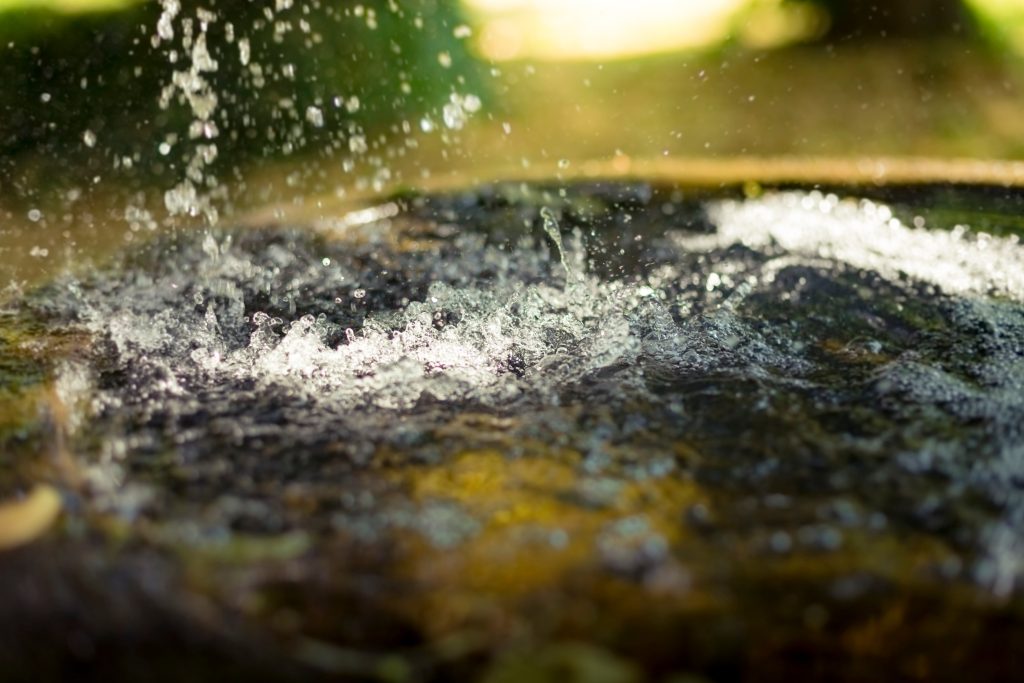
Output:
x,y
722,436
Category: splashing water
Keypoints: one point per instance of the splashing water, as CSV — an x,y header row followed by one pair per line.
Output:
x,y
773,332
696,379
724,393
226,112
192,86
551,228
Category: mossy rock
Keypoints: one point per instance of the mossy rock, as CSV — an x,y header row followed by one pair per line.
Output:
x,y
421,444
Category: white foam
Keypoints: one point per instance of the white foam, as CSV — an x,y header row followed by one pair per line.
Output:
x,y
865,234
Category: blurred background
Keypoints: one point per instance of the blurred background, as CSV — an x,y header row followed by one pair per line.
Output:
x,y
119,118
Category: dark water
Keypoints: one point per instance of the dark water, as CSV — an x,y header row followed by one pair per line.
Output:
x,y
737,437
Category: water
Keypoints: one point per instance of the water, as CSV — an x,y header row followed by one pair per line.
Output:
x,y
726,394
298,119
551,229
624,427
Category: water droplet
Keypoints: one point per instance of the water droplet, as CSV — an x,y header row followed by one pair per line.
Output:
x,y
315,117
35,215
357,144
165,25
457,111
453,116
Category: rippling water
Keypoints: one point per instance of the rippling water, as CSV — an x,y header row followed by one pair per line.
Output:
x,y
789,376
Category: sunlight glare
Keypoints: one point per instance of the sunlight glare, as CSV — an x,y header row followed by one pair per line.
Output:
x,y
589,29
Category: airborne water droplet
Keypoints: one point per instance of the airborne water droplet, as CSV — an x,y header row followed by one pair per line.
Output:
x,y
357,144
165,25
315,117
244,51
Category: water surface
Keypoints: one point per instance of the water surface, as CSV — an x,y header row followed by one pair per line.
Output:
x,y
639,427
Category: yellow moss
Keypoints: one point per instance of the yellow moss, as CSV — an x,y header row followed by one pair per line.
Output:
x,y
537,533
903,559
20,409
488,483
29,400
22,521
852,354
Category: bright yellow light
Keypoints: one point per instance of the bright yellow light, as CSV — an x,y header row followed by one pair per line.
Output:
x,y
69,6
590,29
770,23
1006,16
